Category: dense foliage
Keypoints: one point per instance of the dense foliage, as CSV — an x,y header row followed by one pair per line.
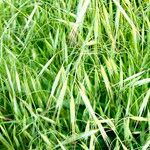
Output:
x,y
74,74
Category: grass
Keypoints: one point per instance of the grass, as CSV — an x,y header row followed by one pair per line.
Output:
x,y
74,74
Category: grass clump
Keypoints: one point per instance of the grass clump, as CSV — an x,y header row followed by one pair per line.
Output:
x,y
74,74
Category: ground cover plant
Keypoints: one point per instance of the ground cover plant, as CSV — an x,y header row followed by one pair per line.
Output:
x,y
74,74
